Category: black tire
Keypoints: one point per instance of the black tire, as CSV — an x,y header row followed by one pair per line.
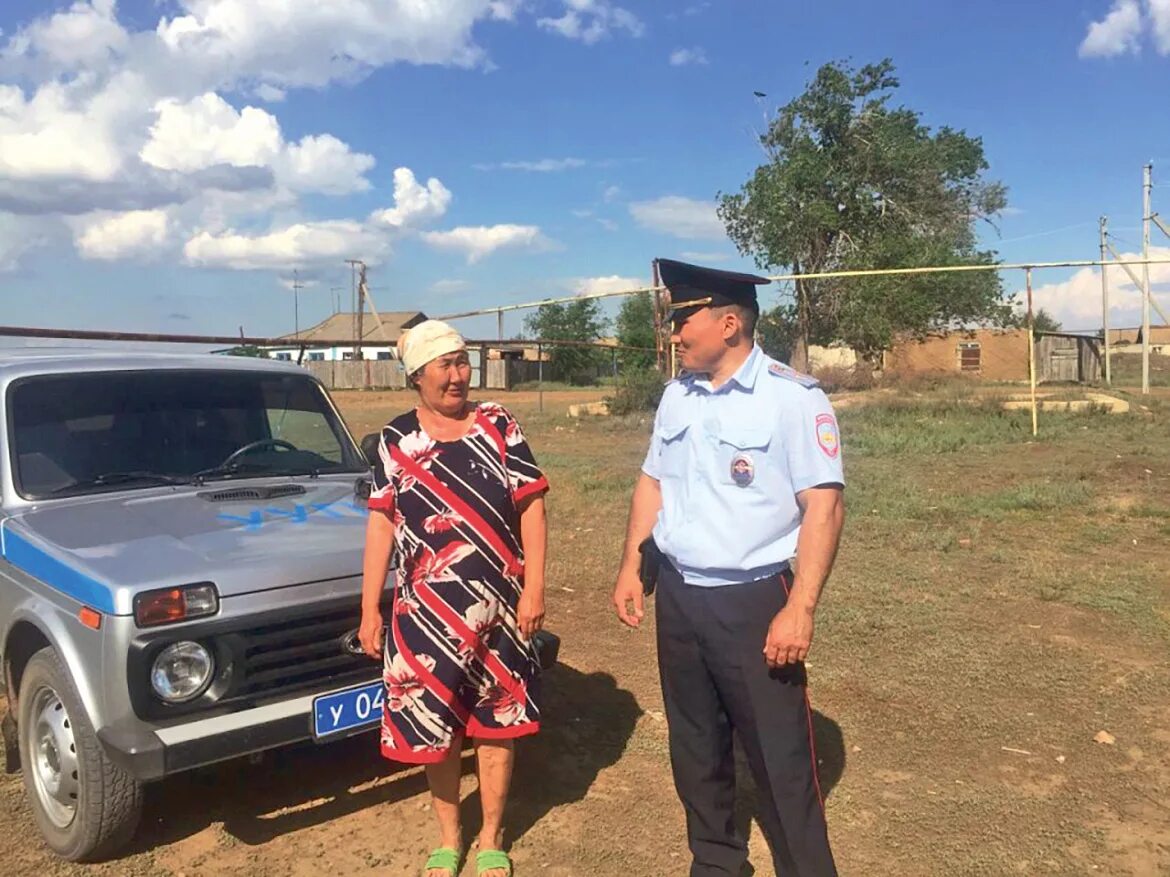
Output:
x,y
108,800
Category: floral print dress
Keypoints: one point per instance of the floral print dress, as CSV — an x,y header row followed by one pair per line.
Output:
x,y
455,662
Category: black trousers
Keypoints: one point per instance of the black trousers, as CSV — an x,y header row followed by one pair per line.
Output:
x,y
715,681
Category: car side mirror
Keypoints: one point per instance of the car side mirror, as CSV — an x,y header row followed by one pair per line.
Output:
x,y
369,445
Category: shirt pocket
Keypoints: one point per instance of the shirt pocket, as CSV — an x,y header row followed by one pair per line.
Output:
x,y
671,439
742,455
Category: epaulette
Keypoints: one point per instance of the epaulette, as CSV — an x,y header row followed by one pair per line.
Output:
x,y
787,372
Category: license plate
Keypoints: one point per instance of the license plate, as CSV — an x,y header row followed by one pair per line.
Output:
x,y
347,711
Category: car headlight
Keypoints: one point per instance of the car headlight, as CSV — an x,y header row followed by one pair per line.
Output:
x,y
181,672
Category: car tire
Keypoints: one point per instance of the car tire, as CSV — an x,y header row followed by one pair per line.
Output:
x,y
85,805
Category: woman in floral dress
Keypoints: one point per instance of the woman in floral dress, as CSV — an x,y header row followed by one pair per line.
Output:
x,y
458,503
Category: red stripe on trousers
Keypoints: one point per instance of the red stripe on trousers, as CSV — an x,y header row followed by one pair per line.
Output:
x,y
812,746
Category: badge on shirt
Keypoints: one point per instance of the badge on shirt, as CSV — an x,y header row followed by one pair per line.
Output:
x,y
743,470
827,435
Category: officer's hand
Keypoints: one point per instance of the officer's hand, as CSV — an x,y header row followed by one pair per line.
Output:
x,y
627,592
370,634
789,636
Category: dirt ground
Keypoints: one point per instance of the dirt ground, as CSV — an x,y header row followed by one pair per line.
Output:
x,y
998,601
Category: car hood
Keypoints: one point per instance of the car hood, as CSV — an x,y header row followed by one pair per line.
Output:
x,y
104,549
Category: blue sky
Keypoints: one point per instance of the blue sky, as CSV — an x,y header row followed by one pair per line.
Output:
x,y
164,166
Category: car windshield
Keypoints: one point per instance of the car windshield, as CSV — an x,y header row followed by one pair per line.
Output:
x,y
120,430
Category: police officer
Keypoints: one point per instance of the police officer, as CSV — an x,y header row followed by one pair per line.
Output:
x,y
743,475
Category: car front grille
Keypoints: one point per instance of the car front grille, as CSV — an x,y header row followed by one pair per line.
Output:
x,y
296,650
300,653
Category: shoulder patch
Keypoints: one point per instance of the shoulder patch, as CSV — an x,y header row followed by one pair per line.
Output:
x,y
780,370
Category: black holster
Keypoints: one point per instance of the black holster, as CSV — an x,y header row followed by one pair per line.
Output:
x,y
649,564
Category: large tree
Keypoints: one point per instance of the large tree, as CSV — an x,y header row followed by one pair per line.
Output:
x,y
635,328
579,320
852,183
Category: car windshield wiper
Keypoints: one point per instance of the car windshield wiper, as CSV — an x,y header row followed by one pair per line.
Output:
x,y
236,468
107,479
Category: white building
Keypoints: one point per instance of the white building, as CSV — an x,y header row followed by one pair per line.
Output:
x,y
333,337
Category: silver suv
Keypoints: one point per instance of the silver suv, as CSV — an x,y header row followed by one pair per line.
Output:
x,y
181,541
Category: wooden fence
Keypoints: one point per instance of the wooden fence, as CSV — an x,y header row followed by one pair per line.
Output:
x,y
366,374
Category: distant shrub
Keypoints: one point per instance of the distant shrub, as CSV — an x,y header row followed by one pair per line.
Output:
x,y
836,378
637,390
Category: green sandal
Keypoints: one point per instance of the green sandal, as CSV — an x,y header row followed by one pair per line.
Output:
x,y
444,859
492,860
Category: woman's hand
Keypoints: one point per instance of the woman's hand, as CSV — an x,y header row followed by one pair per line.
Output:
x,y
371,632
530,611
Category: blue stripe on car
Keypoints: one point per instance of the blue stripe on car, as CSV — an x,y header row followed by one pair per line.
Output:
x,y
40,564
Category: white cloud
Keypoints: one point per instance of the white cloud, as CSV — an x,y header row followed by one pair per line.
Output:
x,y
592,20
111,236
1076,302
130,138
681,217
285,248
324,164
1159,11
1118,33
476,242
414,204
544,165
207,131
270,93
612,283
683,57
692,256
49,135
611,194
18,236
82,36
292,283
449,287
287,43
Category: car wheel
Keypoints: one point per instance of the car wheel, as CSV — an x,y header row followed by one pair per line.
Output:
x,y
85,805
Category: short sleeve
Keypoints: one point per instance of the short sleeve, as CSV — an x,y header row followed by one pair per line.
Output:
x,y
654,453
813,443
524,476
382,495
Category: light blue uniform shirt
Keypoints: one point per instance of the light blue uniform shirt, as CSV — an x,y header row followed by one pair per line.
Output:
x,y
730,462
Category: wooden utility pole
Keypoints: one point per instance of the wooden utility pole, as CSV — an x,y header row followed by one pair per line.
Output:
x,y
359,303
1147,184
297,286
1104,224
1031,348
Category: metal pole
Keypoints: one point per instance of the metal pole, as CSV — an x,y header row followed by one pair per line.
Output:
x,y
296,303
819,275
1147,184
1031,349
500,324
1105,303
540,375
1137,281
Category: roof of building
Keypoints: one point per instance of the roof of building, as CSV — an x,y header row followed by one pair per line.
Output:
x,y
341,326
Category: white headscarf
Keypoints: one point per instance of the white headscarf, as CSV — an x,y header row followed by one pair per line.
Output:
x,y
428,340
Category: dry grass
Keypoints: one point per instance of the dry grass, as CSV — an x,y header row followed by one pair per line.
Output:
x,y
998,601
